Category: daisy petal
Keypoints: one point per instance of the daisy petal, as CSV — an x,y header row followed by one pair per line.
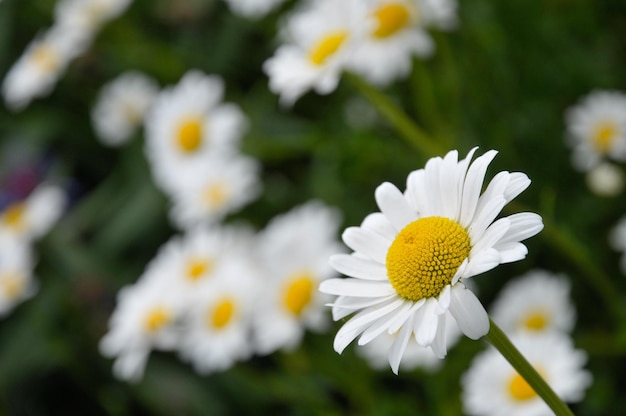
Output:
x,y
378,223
510,252
367,242
356,287
492,235
361,268
472,186
427,329
468,312
399,346
482,262
394,206
517,184
523,225
346,305
439,346
404,314
484,217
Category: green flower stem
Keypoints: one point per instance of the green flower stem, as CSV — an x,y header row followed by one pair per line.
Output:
x,y
501,342
407,128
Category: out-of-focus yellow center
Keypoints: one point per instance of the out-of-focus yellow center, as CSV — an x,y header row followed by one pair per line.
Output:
x,y
425,255
189,137
536,321
391,18
216,194
45,58
327,46
156,319
520,390
222,314
197,268
11,285
13,215
604,136
298,293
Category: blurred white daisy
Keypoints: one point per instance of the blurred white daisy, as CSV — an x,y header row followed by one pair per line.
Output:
x,y
191,261
36,72
492,387
146,317
617,239
318,43
187,123
121,107
218,328
293,251
415,356
411,259
538,302
606,179
31,218
596,128
16,273
397,33
224,184
253,9
87,16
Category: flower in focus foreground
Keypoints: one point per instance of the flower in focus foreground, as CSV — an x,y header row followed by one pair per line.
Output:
x,y
492,387
411,259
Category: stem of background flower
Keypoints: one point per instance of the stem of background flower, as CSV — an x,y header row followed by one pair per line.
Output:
x,y
407,128
501,342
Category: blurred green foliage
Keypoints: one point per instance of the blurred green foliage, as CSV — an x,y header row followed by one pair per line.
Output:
x,y
501,80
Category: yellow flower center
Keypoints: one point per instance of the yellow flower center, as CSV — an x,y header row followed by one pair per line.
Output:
x,y
327,46
425,255
13,215
197,268
520,390
604,136
222,314
536,321
11,285
189,137
298,293
391,18
156,319
45,58
216,194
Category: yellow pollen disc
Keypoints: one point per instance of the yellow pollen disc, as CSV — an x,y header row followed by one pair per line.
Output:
x,y
536,321
298,293
604,136
391,18
156,319
222,314
13,215
216,194
425,255
197,268
11,285
520,390
189,137
45,58
327,46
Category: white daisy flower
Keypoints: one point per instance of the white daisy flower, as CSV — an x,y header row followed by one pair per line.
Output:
x,y
88,16
187,123
596,128
492,387
217,330
412,258
397,32
194,259
36,72
16,273
318,45
253,9
415,356
31,218
121,107
538,302
223,185
606,179
617,239
146,317
293,266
